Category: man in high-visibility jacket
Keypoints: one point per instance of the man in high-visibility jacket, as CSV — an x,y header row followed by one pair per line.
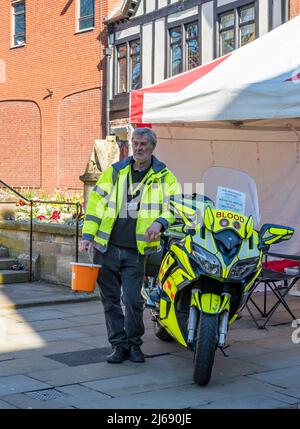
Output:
x,y
125,214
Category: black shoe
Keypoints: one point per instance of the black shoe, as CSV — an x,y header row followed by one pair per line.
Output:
x,y
136,354
119,354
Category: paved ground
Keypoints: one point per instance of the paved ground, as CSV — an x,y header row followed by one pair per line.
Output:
x,y
53,356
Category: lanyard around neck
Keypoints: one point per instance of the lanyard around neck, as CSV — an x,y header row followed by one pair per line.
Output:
x,y
132,191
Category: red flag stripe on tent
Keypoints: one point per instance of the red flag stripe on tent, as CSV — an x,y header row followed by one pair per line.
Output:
x,y
174,84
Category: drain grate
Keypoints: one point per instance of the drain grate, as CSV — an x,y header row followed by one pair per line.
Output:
x,y
46,394
82,357
86,357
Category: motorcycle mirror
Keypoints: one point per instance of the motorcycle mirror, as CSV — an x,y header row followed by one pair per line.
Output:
x,y
271,234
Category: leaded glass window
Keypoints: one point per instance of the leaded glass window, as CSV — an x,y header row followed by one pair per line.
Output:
x,y
176,50
135,64
192,45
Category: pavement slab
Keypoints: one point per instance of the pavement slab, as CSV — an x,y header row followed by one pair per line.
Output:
x,y
46,336
286,377
49,348
30,315
31,294
81,309
25,365
71,375
93,330
139,383
96,341
19,383
88,319
252,401
6,406
46,325
276,359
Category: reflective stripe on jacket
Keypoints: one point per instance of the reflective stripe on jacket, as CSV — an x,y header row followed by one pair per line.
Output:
x,y
106,198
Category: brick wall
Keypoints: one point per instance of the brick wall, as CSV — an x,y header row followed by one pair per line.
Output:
x,y
57,58
294,8
75,142
21,150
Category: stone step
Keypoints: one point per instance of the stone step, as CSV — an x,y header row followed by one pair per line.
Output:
x,y
4,252
11,276
7,263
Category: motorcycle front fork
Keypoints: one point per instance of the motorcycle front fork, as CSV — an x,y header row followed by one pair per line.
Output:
x,y
193,322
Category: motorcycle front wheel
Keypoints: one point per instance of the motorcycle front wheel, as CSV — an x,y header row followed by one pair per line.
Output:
x,y
161,333
206,345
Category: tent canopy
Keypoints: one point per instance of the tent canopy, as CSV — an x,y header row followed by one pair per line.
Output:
x,y
240,111
261,80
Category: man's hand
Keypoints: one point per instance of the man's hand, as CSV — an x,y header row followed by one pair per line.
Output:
x,y
85,245
153,231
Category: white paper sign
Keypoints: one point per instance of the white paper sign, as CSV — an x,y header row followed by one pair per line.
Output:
x,y
230,199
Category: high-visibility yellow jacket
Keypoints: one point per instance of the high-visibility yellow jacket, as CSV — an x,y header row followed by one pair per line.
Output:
x,y
106,198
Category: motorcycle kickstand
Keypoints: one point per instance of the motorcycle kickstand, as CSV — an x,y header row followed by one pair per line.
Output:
x,y
224,348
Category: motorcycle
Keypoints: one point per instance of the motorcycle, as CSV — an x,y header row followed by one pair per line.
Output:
x,y
208,262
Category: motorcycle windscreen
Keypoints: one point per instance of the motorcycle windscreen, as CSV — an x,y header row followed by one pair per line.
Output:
x,y
232,190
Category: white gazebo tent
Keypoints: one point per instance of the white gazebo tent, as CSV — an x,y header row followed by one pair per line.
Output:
x,y
241,111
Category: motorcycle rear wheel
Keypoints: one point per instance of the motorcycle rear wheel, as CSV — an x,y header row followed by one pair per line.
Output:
x,y
205,348
161,333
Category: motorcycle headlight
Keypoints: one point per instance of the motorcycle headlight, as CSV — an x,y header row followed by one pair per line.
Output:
x,y
242,269
207,261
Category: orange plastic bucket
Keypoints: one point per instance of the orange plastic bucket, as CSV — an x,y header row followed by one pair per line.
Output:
x,y
84,276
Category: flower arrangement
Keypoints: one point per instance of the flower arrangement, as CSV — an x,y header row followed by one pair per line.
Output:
x,y
46,212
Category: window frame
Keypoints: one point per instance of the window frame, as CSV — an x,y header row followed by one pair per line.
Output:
x,y
126,41
13,24
118,69
235,7
172,44
182,24
79,18
188,39
130,56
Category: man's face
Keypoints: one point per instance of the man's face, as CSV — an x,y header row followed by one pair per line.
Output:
x,y
142,148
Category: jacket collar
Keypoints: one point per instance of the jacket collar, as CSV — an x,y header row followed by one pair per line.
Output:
x,y
157,165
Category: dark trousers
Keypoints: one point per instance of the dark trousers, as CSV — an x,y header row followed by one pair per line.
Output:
x,y
121,277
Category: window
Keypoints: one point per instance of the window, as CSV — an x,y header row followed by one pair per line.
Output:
x,y
247,24
129,66
86,14
135,65
176,50
184,48
19,29
227,33
122,68
236,28
192,46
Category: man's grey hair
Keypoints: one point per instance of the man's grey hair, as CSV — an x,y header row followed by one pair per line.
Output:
x,y
140,132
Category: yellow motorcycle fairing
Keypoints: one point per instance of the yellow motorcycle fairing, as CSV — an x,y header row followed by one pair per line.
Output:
x,y
168,320
210,303
215,220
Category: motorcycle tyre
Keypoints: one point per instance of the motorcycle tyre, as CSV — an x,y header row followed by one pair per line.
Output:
x,y
161,333
205,348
